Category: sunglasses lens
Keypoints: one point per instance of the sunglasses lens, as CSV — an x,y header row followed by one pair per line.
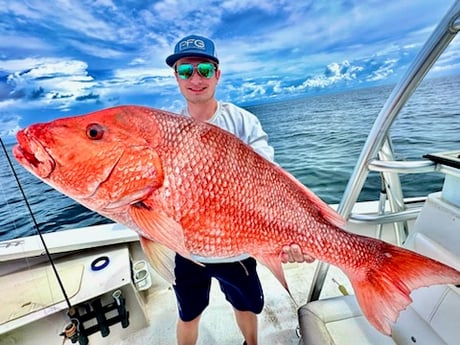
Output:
x,y
206,69
185,71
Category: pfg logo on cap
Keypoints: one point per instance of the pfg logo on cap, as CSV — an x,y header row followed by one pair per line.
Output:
x,y
193,46
192,43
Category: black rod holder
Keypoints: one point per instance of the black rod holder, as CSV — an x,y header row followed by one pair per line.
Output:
x,y
99,314
121,307
96,310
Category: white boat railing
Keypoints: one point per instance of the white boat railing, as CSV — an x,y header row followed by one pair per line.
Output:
x,y
377,153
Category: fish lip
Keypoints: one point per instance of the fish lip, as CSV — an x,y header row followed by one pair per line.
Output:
x,y
33,155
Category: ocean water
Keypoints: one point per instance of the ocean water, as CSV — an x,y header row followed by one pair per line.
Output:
x,y
318,139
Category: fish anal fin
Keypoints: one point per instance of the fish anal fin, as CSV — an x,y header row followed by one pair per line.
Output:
x,y
161,258
273,263
383,291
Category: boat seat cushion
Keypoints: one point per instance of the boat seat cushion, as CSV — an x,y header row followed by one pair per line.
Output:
x,y
337,321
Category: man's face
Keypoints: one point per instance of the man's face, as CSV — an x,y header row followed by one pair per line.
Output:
x,y
197,89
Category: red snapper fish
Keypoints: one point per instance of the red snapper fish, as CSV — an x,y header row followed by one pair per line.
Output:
x,y
192,188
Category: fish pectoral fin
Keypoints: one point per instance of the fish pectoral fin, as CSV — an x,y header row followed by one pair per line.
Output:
x,y
273,262
161,258
160,228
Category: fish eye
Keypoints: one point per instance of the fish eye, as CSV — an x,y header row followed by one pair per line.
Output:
x,y
94,131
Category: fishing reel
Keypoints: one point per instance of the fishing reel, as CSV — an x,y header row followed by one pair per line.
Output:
x,y
72,332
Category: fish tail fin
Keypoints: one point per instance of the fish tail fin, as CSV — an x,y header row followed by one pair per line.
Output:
x,y
383,291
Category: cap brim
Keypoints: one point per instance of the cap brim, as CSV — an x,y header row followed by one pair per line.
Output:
x,y
172,59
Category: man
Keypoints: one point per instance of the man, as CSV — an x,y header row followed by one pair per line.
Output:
x,y
196,68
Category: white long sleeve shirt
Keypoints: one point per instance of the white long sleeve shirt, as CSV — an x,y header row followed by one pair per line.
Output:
x,y
242,124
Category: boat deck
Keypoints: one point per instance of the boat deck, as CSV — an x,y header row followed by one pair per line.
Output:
x,y
277,322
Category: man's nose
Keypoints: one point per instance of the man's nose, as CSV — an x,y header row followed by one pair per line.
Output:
x,y
196,77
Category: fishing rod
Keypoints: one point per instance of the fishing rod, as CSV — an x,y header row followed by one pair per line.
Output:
x,y
50,259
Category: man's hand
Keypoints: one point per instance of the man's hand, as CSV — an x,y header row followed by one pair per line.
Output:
x,y
293,253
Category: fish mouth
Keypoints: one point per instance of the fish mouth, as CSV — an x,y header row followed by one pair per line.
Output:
x,y
33,155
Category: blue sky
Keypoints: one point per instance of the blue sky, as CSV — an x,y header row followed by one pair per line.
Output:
x,y
73,57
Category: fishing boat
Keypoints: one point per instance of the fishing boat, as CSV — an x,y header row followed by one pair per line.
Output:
x,y
93,285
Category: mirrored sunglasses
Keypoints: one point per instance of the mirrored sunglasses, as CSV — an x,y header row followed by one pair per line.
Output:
x,y
205,69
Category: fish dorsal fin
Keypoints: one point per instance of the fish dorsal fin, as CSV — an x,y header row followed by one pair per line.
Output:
x,y
159,227
326,211
161,258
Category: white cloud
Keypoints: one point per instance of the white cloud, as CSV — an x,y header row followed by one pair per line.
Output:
x,y
27,43
96,50
58,82
142,72
448,61
383,71
9,124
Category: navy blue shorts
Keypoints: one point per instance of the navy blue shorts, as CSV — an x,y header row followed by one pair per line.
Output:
x,y
238,281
